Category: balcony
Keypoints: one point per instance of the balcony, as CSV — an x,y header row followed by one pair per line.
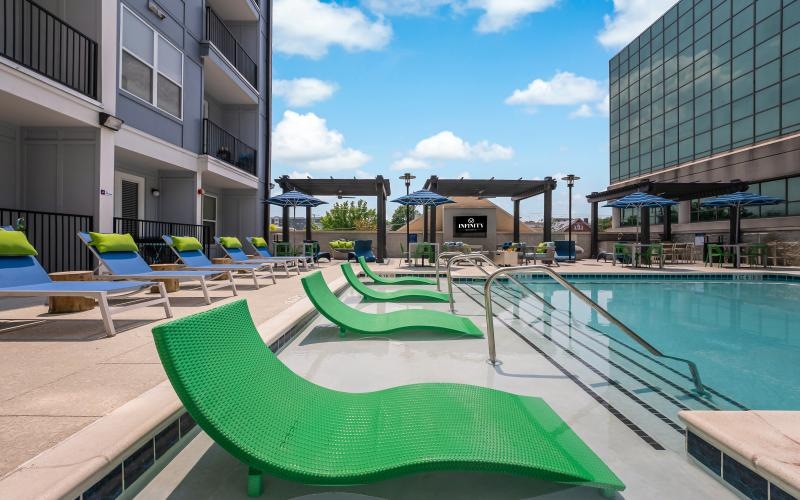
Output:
x,y
222,145
218,35
33,37
236,10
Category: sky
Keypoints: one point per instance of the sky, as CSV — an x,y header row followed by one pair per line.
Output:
x,y
455,88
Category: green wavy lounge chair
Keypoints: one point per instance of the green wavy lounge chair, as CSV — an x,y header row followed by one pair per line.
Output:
x,y
353,320
392,281
278,423
394,296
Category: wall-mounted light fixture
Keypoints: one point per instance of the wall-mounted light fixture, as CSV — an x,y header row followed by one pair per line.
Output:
x,y
155,192
201,191
155,9
111,122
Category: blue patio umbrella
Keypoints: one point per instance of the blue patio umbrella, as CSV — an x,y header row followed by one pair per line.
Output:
x,y
295,199
641,200
424,198
736,201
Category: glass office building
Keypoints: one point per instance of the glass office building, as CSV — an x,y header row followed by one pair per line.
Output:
x,y
709,77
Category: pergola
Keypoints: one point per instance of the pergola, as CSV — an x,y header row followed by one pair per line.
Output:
x,y
517,189
678,191
378,187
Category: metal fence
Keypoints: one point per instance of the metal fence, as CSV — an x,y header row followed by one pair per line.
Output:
x,y
147,235
55,237
222,38
32,36
221,144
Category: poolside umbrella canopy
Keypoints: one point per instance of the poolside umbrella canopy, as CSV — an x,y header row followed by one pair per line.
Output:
x,y
295,199
736,201
639,201
423,198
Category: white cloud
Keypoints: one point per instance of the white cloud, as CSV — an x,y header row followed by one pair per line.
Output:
x,y
500,15
630,18
604,106
310,27
448,146
563,89
299,175
584,111
408,163
302,92
305,140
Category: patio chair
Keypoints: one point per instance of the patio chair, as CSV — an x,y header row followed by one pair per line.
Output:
x,y
545,253
288,427
129,265
353,320
756,253
195,260
622,254
717,252
262,249
565,251
424,251
238,256
409,280
371,294
652,253
318,253
23,276
362,248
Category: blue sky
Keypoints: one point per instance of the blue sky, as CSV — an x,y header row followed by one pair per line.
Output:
x,y
477,88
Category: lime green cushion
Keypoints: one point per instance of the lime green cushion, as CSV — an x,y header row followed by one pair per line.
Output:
x,y
15,244
230,242
541,248
112,242
259,242
186,243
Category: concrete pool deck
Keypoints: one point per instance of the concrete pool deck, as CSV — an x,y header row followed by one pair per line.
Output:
x,y
59,374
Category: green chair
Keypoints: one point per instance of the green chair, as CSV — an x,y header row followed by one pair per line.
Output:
x,y
392,281
756,253
395,296
424,251
284,249
622,253
653,253
278,423
349,319
717,252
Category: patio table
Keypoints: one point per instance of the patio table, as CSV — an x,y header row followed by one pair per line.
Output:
x,y
637,250
737,249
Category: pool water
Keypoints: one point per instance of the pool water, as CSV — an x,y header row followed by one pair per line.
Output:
x,y
743,335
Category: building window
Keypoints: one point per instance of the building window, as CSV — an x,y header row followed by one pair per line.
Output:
x,y
707,214
629,217
151,67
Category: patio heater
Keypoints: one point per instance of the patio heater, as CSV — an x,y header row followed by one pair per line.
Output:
x,y
570,178
407,177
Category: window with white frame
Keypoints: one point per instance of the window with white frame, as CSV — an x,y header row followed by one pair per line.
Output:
x,y
151,67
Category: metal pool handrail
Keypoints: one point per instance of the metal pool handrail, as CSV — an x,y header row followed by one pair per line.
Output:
x,y
479,256
438,259
487,297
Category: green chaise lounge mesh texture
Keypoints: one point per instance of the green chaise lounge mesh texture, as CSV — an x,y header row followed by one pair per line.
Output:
x,y
278,423
394,296
353,320
392,281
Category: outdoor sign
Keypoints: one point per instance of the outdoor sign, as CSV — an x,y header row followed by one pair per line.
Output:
x,y
470,226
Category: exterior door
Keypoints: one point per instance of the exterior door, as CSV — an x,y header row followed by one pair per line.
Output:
x,y
129,198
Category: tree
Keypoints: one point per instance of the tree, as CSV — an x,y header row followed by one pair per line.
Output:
x,y
398,219
350,215
604,223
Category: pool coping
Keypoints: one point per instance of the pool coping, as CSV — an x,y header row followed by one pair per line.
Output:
x,y
92,459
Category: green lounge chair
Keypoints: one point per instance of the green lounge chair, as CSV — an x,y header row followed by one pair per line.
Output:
x,y
392,281
278,423
395,296
353,320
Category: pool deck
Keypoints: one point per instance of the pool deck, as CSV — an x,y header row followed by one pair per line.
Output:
x,y
58,374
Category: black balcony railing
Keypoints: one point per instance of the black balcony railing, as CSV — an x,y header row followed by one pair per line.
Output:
x,y
147,235
219,143
55,237
35,38
222,38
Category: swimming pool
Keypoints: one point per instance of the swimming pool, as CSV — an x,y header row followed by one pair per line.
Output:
x,y
743,335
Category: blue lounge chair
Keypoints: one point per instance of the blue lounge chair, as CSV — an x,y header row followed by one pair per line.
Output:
x,y
24,277
265,254
238,255
565,251
131,266
196,260
362,248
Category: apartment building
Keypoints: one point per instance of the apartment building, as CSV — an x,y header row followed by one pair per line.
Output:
x,y
142,116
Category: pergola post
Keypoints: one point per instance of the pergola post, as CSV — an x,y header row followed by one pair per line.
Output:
x,y
548,212
734,227
308,223
667,212
645,218
424,223
516,221
594,247
267,223
434,185
381,253
285,228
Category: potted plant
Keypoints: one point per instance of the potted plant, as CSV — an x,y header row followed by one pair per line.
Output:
x,y
341,248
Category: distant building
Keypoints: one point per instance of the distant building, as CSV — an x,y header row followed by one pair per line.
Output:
x,y
578,226
296,223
